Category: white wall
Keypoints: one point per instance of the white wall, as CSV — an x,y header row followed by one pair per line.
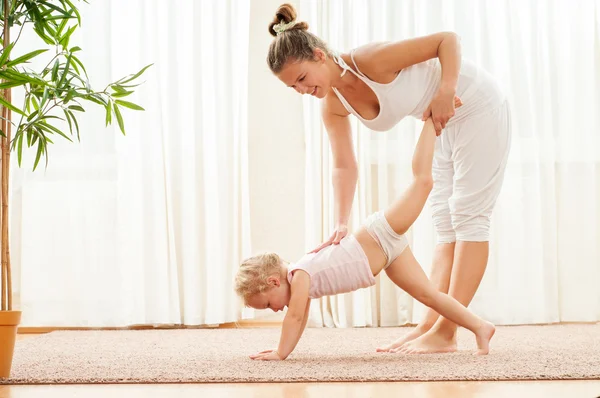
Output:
x,y
276,147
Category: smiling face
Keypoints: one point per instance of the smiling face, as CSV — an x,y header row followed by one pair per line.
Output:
x,y
276,298
308,77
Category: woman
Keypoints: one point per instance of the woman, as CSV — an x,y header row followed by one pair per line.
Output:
x,y
380,84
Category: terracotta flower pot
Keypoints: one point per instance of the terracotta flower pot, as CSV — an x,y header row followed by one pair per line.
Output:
x,y
9,320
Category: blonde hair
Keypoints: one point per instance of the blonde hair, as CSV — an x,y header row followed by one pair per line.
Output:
x,y
252,275
295,42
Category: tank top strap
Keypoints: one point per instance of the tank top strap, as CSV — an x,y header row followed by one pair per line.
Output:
x,y
356,66
340,61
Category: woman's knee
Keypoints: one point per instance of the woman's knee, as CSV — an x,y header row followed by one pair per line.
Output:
x,y
471,228
442,222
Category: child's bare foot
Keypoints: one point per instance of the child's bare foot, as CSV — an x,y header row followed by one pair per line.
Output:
x,y
431,342
483,336
413,334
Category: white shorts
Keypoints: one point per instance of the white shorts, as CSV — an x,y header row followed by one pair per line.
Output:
x,y
468,171
391,243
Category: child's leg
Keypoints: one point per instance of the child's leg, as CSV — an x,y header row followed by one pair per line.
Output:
x,y
406,272
404,211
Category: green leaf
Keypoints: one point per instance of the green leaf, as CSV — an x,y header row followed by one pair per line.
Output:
x,y
26,57
11,84
20,148
108,114
55,70
74,10
32,115
66,70
6,53
119,118
56,17
136,75
62,25
118,88
29,136
76,124
132,85
70,95
64,40
121,95
68,120
74,65
77,108
40,32
10,106
75,49
78,62
40,150
129,105
50,29
96,98
55,8
11,74
36,105
45,97
51,129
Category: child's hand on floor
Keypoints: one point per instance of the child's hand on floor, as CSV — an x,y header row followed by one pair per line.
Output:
x,y
268,355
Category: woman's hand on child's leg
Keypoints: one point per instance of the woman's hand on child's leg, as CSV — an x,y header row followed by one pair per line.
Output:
x,y
267,355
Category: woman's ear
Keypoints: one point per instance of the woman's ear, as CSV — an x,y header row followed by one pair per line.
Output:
x,y
320,55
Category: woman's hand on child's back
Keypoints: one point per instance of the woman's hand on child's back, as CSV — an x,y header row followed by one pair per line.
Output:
x,y
267,355
340,232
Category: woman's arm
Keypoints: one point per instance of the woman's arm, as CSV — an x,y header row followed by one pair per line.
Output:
x,y
383,61
345,171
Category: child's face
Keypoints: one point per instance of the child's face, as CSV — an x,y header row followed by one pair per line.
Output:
x,y
276,298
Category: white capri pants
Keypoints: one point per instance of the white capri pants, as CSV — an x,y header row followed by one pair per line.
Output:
x,y
468,171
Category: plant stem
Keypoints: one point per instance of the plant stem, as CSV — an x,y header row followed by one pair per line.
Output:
x,y
6,113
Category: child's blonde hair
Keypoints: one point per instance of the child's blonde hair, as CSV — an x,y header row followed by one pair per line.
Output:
x,y
252,275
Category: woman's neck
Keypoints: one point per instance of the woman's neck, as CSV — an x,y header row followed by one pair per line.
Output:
x,y
338,81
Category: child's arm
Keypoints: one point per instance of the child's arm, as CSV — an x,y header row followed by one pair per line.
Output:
x,y
294,321
297,314
306,311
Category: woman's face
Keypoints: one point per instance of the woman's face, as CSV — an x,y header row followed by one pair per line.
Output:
x,y
308,77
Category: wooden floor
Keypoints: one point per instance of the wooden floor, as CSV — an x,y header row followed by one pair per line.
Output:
x,y
529,389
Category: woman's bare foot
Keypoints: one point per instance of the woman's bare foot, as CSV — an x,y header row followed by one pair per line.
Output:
x,y
431,342
413,334
483,336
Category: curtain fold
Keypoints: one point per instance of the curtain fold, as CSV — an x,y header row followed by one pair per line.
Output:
x,y
146,228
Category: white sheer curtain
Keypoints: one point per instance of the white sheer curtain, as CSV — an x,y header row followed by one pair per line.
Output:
x,y
148,228
544,261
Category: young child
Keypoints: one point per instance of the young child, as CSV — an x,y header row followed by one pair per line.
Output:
x,y
265,281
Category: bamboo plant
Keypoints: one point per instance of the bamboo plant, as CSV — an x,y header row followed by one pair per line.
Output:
x,y
54,96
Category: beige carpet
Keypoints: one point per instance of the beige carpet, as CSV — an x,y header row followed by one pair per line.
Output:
x,y
166,356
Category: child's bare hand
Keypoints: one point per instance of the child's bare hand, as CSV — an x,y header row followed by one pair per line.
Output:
x,y
268,355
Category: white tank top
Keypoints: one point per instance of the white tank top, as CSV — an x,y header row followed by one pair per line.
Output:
x,y
413,89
